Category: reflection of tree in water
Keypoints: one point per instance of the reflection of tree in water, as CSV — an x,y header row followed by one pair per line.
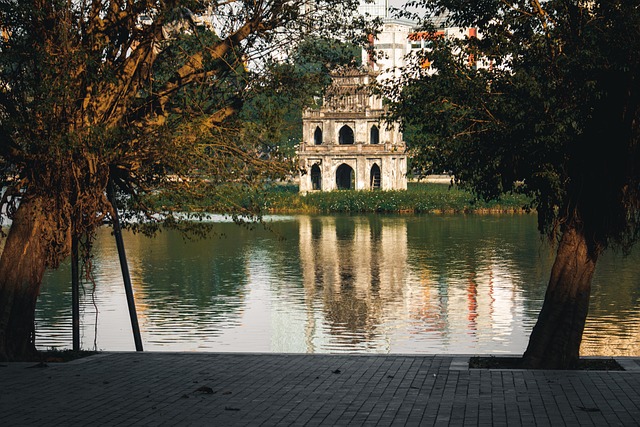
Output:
x,y
195,281
184,283
54,301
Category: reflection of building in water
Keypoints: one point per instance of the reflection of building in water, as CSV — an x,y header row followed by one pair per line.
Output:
x,y
356,268
471,304
361,281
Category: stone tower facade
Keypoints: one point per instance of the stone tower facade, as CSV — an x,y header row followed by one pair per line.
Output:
x,y
345,143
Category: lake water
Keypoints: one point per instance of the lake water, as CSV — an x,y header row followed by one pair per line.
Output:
x,y
332,284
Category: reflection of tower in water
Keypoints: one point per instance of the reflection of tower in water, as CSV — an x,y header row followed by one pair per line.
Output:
x,y
353,272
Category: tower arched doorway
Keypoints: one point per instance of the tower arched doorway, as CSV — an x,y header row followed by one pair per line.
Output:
x,y
345,177
316,177
345,136
375,177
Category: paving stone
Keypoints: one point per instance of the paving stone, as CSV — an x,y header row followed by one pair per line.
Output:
x,y
267,389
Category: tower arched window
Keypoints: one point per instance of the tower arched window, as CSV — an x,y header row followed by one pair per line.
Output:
x,y
317,136
374,135
345,136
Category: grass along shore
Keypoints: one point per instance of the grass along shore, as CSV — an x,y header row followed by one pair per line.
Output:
x,y
285,198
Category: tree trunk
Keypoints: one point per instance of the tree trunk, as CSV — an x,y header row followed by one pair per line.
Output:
x,y
555,339
22,266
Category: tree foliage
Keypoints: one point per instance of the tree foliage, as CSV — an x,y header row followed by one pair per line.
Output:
x,y
144,94
273,114
552,111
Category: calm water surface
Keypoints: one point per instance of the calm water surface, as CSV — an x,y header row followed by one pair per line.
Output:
x,y
331,284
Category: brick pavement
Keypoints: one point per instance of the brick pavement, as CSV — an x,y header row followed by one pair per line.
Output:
x,y
225,389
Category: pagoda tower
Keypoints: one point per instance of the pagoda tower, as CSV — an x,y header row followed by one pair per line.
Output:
x,y
346,144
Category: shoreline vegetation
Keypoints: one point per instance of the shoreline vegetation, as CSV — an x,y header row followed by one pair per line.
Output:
x,y
281,198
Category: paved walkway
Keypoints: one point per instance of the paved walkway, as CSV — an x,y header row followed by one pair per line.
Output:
x,y
256,389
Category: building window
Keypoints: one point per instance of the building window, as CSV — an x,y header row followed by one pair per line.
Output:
x,y
345,136
316,177
317,136
374,135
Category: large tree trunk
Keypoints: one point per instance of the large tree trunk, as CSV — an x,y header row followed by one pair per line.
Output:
x,y
22,266
555,339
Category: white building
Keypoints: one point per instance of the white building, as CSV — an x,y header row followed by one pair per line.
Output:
x,y
374,9
398,38
345,144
